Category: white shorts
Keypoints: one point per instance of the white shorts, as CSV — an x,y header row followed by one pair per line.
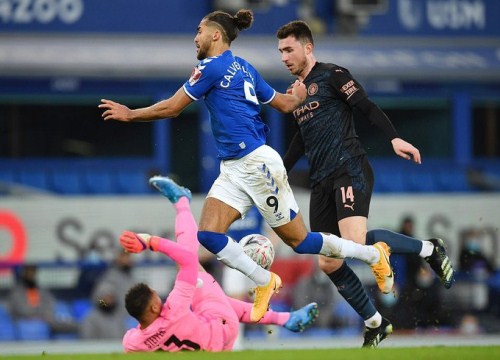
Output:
x,y
258,178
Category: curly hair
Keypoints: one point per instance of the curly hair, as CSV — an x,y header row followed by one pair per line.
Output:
x,y
231,25
137,300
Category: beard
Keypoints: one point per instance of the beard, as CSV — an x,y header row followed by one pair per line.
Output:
x,y
299,69
202,53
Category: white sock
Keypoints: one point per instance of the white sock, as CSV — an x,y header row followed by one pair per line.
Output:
x,y
374,321
233,256
427,249
339,248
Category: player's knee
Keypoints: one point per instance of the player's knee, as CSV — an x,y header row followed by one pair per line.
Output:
x,y
293,234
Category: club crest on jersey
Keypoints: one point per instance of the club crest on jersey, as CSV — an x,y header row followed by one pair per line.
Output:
x,y
195,76
312,89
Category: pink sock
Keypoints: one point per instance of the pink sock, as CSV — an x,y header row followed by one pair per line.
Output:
x,y
243,309
186,230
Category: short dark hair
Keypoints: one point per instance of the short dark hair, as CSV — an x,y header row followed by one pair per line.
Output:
x,y
298,29
137,300
230,25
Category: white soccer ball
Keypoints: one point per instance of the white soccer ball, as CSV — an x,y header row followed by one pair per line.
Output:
x,y
259,248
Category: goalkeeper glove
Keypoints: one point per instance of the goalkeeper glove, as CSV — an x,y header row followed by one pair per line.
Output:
x,y
136,243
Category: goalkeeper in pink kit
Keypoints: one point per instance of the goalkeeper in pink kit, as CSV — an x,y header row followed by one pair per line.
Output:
x,y
196,315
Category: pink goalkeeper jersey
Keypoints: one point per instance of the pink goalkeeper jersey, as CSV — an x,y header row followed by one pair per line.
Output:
x,y
191,319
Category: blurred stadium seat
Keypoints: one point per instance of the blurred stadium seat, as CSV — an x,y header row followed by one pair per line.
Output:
x,y
7,180
452,180
81,308
391,180
421,181
34,178
99,182
63,311
67,182
7,175
130,182
7,329
32,329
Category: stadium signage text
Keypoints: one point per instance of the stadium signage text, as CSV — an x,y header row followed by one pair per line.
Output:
x,y
443,14
456,14
40,11
70,229
15,230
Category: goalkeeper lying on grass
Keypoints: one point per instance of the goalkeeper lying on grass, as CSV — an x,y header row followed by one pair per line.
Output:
x,y
196,315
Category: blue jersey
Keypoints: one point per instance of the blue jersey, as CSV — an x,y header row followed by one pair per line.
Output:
x,y
232,90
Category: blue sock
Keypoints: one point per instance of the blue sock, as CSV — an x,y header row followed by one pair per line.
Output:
x,y
311,245
399,243
351,289
212,241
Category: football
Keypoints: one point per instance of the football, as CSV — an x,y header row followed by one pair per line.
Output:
x,y
259,248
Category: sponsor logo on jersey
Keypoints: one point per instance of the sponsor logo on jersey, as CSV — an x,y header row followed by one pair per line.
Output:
x,y
349,89
349,206
305,112
312,89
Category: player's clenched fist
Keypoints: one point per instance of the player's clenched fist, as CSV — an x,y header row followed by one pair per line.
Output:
x,y
136,243
298,89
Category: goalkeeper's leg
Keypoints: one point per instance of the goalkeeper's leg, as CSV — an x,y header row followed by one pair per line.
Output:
x,y
210,301
186,230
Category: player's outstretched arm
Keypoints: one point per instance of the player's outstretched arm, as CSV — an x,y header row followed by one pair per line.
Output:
x,y
134,243
377,117
169,108
406,150
183,256
137,243
288,102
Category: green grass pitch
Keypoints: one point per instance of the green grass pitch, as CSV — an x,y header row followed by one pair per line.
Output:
x,y
411,353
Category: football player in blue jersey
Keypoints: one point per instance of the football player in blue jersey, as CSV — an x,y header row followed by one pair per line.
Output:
x,y
251,173
340,175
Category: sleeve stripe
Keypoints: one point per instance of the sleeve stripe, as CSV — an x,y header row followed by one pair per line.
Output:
x,y
188,94
271,99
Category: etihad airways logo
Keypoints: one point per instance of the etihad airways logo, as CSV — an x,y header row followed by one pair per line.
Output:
x,y
304,112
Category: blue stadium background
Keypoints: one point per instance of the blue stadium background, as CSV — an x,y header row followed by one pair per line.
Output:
x,y
433,66
438,81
